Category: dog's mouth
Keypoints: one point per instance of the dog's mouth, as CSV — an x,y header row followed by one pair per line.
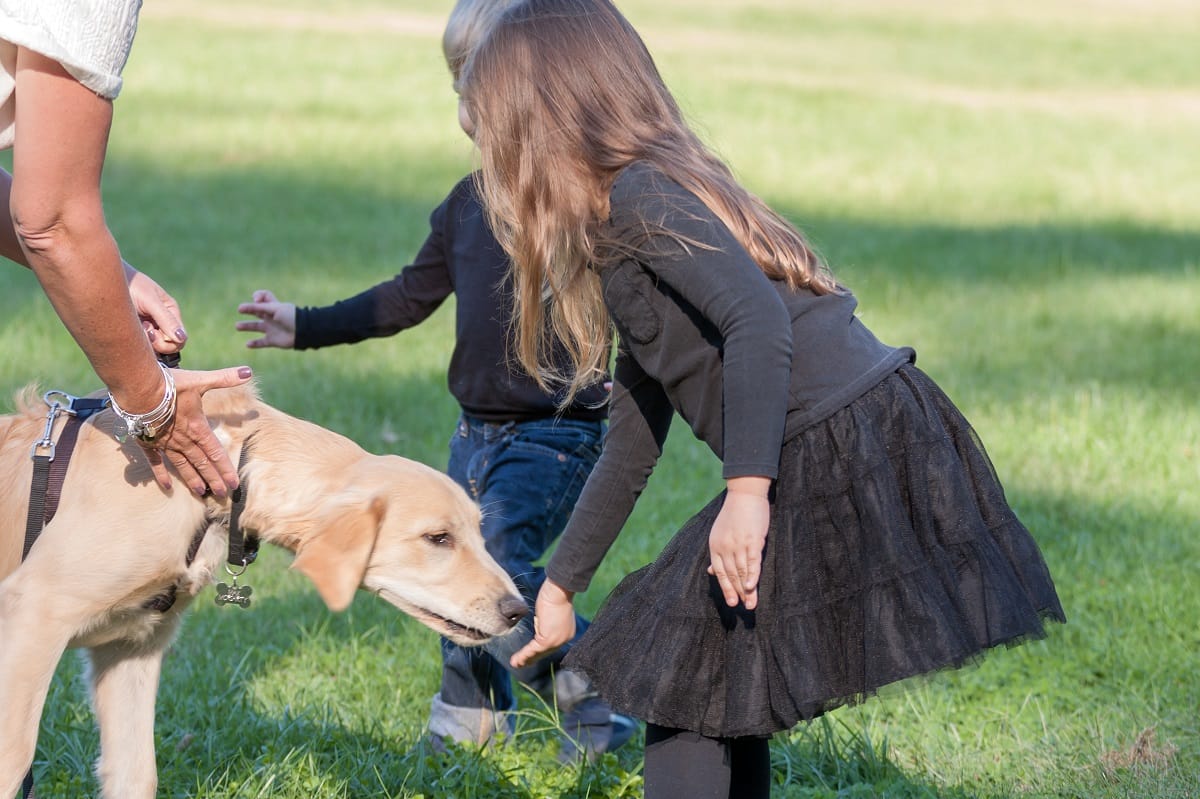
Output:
x,y
437,621
461,629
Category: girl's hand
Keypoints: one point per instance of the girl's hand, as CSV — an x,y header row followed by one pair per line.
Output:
x,y
553,624
738,537
276,321
158,311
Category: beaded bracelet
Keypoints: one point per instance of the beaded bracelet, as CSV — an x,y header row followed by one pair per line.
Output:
x,y
146,427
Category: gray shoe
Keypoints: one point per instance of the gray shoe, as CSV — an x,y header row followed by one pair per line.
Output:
x,y
470,726
591,728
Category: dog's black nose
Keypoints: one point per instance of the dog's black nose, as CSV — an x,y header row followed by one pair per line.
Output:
x,y
514,609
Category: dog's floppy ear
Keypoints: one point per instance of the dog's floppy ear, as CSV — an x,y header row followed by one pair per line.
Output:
x,y
335,556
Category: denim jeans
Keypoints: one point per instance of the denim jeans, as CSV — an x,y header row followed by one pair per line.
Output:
x,y
526,477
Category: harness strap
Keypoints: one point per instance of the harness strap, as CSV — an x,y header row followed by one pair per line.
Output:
x,y
35,519
58,466
50,469
49,472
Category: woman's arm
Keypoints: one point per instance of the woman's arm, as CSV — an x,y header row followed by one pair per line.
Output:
x,y
58,222
61,137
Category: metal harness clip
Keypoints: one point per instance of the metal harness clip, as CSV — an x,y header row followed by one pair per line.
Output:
x,y
59,402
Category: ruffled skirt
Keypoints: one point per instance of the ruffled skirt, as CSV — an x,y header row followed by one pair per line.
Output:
x,y
891,552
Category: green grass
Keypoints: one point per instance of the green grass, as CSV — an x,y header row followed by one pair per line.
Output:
x,y
1012,189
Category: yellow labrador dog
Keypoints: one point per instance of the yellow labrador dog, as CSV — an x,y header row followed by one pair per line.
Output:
x,y
397,528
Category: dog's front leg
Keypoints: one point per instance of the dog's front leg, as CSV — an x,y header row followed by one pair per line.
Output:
x,y
30,648
124,683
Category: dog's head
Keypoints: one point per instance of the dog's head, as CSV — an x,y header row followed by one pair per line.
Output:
x,y
409,534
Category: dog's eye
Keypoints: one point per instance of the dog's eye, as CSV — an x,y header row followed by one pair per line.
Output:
x,y
439,539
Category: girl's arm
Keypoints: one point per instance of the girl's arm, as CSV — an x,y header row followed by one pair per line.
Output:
x,y
385,309
276,321
639,420
699,259
553,624
713,273
738,537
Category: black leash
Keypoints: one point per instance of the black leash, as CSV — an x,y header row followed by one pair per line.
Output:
x,y
50,461
243,548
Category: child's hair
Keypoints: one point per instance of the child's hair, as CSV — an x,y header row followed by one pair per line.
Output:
x,y
468,23
565,95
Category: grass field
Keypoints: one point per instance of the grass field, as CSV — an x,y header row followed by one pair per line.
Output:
x,y
1011,188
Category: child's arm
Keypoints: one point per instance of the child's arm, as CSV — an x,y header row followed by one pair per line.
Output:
x,y
738,536
276,321
553,624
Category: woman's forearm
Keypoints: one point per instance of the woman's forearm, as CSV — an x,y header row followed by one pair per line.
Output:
x,y
83,277
57,219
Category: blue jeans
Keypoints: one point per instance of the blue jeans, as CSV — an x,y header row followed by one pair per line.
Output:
x,y
526,477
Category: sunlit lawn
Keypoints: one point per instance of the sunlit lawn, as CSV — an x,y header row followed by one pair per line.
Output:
x,y
1013,189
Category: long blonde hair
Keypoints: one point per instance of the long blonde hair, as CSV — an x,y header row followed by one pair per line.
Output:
x,y
564,95
469,20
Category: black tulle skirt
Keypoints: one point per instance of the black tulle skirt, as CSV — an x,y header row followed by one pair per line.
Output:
x,y
892,552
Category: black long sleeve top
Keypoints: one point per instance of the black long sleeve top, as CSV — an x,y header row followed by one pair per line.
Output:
x,y
460,256
746,361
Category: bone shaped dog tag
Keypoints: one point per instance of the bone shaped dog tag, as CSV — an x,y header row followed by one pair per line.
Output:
x,y
234,594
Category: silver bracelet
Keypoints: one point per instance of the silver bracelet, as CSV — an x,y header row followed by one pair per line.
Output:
x,y
146,427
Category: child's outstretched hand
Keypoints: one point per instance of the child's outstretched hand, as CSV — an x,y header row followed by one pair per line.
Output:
x,y
553,624
276,321
737,539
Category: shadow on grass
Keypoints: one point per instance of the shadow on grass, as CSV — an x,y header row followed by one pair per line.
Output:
x,y
211,239
828,760
216,734
338,682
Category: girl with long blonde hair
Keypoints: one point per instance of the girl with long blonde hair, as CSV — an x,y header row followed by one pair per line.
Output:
x,y
863,536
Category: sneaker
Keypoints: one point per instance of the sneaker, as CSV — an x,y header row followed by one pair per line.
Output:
x,y
591,728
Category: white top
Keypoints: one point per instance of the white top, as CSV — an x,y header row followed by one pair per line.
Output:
x,y
90,38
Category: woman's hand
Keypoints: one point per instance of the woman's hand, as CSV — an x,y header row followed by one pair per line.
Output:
x,y
737,539
158,312
276,321
553,624
190,445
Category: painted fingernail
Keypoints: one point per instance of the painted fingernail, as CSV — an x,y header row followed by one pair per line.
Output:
x,y
181,335
245,372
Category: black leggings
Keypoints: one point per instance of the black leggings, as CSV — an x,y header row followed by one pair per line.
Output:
x,y
681,764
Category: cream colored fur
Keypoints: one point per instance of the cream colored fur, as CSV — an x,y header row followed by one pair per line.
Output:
x,y
392,526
